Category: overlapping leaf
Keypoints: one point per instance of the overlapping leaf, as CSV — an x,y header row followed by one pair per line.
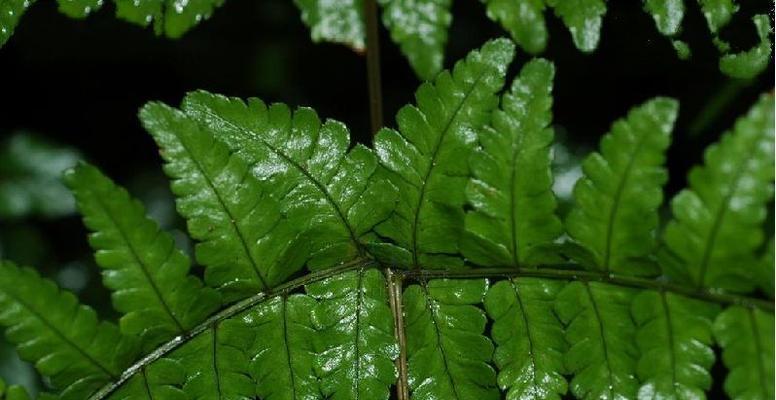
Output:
x,y
674,338
529,338
711,241
424,157
307,167
513,215
161,380
448,354
746,338
355,339
64,339
148,275
600,334
247,245
615,214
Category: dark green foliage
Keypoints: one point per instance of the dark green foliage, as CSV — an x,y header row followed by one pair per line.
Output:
x,y
432,265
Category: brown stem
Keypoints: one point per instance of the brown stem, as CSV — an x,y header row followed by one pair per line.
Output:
x,y
394,297
373,66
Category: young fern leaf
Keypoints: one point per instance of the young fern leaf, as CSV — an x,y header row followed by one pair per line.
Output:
x,y
711,241
717,13
64,339
513,215
354,340
668,15
529,338
149,277
216,363
448,354
583,18
283,356
674,338
307,167
419,27
615,212
246,244
600,334
425,156
746,338
160,380
750,63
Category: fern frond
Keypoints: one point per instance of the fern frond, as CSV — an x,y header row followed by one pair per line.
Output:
x,y
711,241
615,212
529,338
283,353
583,19
668,15
764,269
160,380
246,244
523,19
419,27
674,338
746,338
216,363
513,213
600,333
425,156
354,340
448,354
717,13
148,276
64,339
750,63
307,167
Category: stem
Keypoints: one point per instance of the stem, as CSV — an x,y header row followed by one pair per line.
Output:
x,y
373,66
394,297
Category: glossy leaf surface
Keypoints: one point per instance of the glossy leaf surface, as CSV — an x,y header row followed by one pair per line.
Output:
x,y
529,338
513,214
523,19
246,244
713,237
616,201
148,276
424,158
339,21
448,354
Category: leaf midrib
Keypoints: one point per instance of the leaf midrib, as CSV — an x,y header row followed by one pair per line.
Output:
x,y
604,346
440,344
432,164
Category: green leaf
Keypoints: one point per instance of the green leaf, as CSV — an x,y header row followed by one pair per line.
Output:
x,y
12,392
216,363
307,167
448,354
425,157
65,340
600,334
30,174
750,63
160,380
524,19
283,353
172,18
746,338
146,273
674,338
711,241
355,336
668,15
529,338
78,8
419,27
615,212
10,12
510,192
717,13
246,244
764,269
583,19
340,21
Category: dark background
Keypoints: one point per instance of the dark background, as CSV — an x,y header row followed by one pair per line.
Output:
x,y
81,82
